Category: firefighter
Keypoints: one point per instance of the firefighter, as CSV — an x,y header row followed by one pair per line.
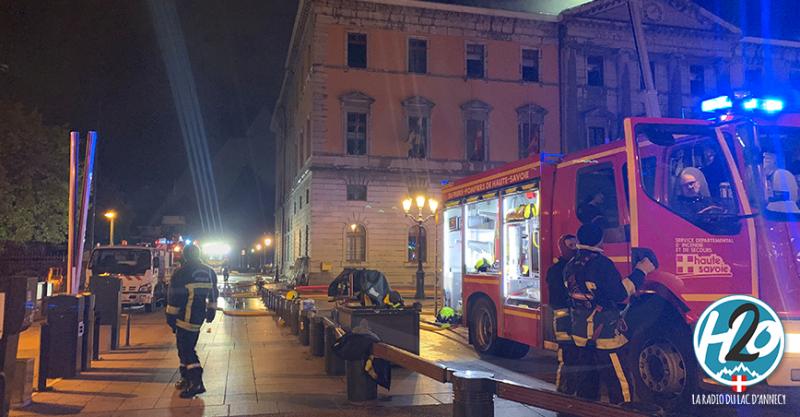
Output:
x,y
191,300
597,289
566,377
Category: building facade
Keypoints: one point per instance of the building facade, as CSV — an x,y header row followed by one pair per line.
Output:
x,y
383,99
386,99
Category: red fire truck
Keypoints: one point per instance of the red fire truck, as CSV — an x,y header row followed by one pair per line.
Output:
x,y
511,218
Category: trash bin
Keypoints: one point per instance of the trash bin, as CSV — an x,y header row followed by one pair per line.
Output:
x,y
65,320
395,326
18,301
87,347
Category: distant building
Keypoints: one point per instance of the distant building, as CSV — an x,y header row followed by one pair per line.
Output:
x,y
382,98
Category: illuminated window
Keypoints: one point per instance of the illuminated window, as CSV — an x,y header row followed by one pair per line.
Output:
x,y
529,129
356,243
476,115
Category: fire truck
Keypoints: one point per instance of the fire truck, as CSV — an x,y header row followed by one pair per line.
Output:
x,y
144,271
511,218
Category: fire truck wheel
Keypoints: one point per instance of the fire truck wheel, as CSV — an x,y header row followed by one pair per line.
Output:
x,y
663,366
483,328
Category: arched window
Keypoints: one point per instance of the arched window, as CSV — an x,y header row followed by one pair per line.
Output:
x,y
356,243
416,233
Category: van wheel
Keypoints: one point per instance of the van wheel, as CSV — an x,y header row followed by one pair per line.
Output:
x,y
663,366
483,328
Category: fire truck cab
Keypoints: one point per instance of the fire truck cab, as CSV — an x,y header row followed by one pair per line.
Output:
x,y
716,202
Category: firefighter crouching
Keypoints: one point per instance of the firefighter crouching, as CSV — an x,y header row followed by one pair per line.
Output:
x,y
596,289
567,374
191,300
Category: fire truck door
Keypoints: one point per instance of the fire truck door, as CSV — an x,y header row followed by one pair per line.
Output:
x,y
685,205
596,183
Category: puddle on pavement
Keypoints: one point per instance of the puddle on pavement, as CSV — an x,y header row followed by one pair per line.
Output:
x,y
240,296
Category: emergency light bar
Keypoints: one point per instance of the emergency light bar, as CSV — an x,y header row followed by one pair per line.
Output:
x,y
727,103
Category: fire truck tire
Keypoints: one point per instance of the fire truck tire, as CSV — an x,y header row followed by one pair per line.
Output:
x,y
483,328
663,366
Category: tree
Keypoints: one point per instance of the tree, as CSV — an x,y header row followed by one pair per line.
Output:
x,y
34,177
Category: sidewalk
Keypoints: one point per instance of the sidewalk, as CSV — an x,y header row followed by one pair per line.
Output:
x,y
252,367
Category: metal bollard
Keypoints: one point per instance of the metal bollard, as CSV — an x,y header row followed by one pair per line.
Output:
x,y
473,394
316,335
44,357
96,341
360,387
128,330
303,334
334,365
294,316
115,336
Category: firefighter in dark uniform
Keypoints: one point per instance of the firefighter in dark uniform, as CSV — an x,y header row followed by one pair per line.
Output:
x,y
558,298
191,300
597,289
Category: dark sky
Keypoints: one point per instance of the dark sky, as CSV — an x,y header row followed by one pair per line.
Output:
x,y
95,64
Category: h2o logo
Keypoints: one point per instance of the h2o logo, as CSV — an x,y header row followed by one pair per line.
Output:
x,y
739,341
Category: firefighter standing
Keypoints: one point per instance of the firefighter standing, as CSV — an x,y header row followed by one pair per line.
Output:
x,y
596,289
191,300
566,375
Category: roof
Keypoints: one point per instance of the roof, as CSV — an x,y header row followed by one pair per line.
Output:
x,y
547,7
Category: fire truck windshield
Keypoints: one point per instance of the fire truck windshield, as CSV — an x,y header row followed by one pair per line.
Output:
x,y
120,261
772,169
686,169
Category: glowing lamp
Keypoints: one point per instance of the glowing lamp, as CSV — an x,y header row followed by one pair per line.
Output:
x,y
433,204
407,205
420,201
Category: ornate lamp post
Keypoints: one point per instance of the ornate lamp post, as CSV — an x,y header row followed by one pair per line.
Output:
x,y
420,218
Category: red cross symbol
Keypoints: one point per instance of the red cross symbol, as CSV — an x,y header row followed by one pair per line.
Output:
x,y
739,383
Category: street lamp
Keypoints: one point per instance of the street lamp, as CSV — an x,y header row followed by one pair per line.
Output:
x,y
111,215
419,218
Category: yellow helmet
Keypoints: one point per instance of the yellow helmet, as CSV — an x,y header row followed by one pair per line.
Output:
x,y
291,295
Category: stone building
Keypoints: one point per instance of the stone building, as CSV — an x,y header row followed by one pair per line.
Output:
x,y
382,98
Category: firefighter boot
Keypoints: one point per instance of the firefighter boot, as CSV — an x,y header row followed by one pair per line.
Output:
x,y
183,381
195,376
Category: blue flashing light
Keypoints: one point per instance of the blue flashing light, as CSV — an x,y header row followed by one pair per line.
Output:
x,y
750,104
771,105
717,103
445,182
187,242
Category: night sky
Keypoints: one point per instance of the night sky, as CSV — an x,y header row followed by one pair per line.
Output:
x,y
95,64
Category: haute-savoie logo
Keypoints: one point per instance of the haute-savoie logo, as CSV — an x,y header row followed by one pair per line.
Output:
x,y
739,341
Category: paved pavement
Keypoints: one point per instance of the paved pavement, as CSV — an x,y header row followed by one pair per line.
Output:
x,y
252,367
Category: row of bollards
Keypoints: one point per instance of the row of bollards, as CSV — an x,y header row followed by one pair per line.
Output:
x,y
473,392
319,333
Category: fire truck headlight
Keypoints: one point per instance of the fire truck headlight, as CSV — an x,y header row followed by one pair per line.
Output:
x,y
145,288
792,343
